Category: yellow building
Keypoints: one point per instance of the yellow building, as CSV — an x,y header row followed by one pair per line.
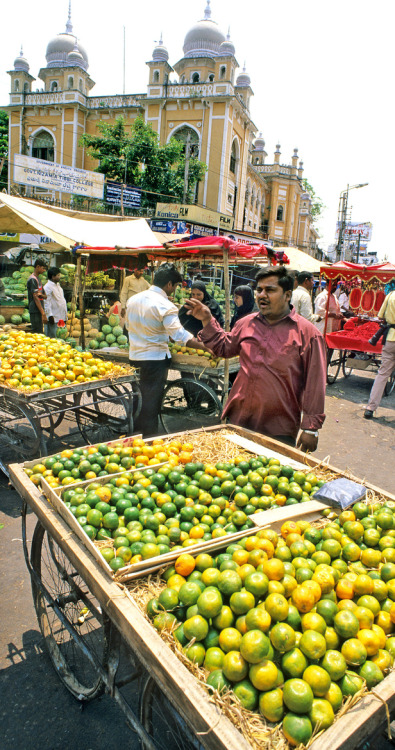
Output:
x,y
203,97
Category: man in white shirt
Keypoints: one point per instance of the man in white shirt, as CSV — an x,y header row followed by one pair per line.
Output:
x,y
301,297
151,319
132,285
55,305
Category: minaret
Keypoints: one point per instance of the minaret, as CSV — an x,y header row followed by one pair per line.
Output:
x,y
69,25
294,163
207,12
277,154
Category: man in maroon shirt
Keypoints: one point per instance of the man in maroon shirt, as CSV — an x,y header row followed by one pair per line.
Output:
x,y
280,387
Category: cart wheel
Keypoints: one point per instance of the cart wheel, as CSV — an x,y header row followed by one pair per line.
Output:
x,y
20,431
334,361
162,722
347,370
70,619
104,414
390,385
189,401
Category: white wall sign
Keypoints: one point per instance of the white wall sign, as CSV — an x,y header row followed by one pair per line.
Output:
x,y
46,174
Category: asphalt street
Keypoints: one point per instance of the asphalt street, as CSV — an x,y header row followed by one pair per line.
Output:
x,y
36,711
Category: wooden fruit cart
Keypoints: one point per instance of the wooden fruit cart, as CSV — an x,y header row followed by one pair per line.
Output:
x,y
102,409
84,616
366,298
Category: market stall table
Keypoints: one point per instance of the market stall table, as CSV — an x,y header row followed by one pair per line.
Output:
x,y
83,616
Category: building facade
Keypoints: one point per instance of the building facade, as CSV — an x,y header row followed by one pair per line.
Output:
x,y
203,98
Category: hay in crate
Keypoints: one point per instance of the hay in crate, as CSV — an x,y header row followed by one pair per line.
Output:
x,y
260,734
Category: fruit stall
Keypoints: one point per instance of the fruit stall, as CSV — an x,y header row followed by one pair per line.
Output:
x,y
45,381
261,637
350,349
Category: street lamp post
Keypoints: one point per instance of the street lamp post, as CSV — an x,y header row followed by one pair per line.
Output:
x,y
343,206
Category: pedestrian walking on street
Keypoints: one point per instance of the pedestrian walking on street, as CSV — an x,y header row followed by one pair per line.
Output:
x,y
387,367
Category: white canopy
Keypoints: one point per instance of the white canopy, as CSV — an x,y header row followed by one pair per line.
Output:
x,y
300,261
67,230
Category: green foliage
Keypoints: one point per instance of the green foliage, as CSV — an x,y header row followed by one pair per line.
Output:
x,y
134,156
4,148
317,204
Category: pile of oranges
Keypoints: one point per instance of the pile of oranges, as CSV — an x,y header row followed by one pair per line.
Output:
x,y
33,362
75,465
293,623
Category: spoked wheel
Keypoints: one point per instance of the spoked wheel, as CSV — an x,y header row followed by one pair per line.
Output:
x,y
190,403
390,385
20,431
72,624
161,721
347,369
104,414
334,361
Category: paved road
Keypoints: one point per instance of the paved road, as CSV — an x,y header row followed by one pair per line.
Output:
x,y
36,712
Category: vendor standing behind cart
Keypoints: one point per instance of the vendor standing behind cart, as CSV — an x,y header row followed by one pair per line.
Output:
x,y
55,305
36,296
387,367
199,292
301,297
280,386
132,285
151,319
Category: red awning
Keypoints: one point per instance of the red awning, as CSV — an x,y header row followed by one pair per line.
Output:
x,y
383,272
216,245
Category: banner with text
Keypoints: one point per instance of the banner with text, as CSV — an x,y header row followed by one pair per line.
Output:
x,y
118,194
50,176
352,229
193,215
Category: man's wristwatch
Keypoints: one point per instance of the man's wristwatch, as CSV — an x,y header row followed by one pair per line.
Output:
x,y
311,432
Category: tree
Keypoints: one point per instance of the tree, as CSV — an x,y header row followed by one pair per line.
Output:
x,y
317,204
3,149
135,157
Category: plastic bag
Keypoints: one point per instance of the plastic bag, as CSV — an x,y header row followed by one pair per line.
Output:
x,y
341,493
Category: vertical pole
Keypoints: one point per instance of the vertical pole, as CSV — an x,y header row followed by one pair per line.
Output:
x,y
227,318
186,170
122,211
124,52
358,246
81,299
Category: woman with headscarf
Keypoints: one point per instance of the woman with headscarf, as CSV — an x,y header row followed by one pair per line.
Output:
x,y
243,297
199,292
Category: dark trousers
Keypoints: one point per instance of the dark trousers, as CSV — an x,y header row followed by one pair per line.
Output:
x,y
153,376
36,323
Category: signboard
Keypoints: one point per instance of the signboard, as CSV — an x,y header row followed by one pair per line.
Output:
x,y
193,215
170,227
50,176
9,237
118,194
352,229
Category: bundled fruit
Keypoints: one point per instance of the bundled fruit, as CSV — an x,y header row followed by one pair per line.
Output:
x,y
71,466
293,623
33,362
99,280
16,284
207,360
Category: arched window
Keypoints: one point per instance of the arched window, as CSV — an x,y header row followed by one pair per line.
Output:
x,y
16,85
155,77
211,77
234,155
70,82
26,88
81,85
195,78
182,134
222,72
54,86
280,213
43,146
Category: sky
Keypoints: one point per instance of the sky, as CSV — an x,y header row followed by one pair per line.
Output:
x,y
322,75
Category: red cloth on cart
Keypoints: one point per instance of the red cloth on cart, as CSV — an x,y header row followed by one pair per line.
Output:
x,y
356,339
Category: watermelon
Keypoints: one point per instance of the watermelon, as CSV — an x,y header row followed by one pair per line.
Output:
x,y
106,329
26,317
110,338
103,345
29,268
93,344
122,340
16,275
2,319
100,336
114,320
16,320
117,331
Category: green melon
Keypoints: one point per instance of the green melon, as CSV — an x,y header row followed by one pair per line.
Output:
x,y
100,336
26,317
106,329
16,274
110,338
117,331
114,320
2,320
103,345
16,320
93,344
122,340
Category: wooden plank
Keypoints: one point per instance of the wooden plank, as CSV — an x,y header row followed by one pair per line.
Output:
x,y
313,509
183,690
361,721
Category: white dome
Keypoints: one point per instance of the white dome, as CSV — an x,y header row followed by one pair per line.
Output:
x,y
204,39
75,57
160,52
227,47
259,143
59,48
20,63
243,79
